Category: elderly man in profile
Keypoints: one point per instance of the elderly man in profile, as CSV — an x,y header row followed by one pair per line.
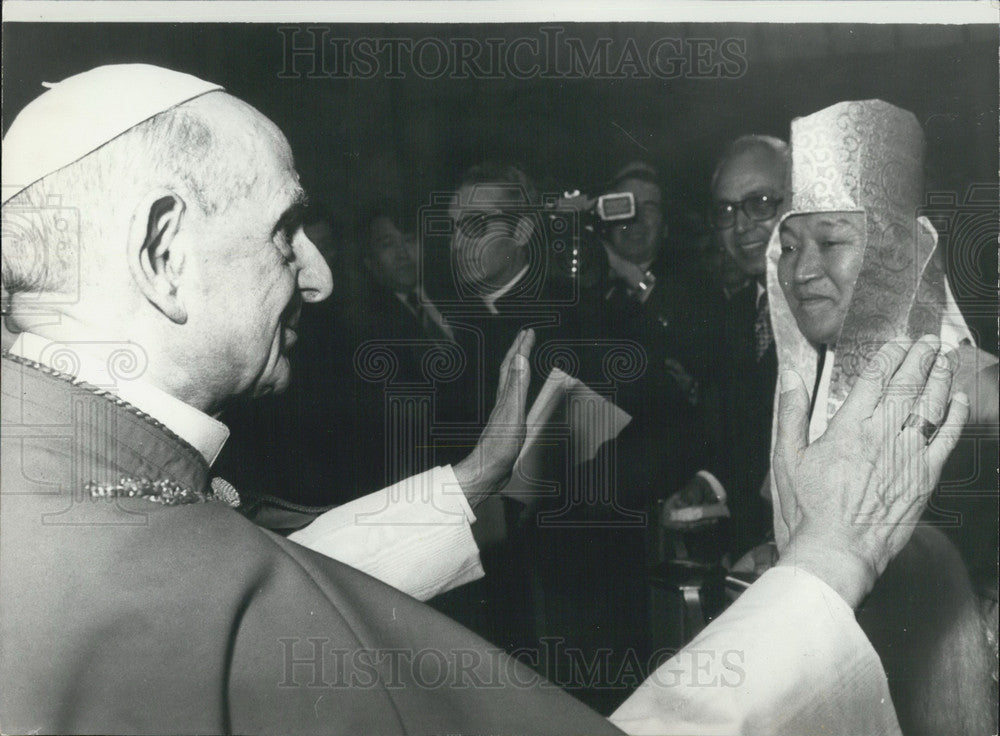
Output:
x,y
135,599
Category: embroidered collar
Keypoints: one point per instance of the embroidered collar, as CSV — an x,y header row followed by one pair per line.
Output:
x,y
138,456
119,373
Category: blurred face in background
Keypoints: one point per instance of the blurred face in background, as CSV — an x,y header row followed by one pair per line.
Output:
x,y
392,256
640,240
488,246
747,203
821,256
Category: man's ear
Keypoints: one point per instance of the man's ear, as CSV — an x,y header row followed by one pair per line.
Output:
x,y
155,261
522,231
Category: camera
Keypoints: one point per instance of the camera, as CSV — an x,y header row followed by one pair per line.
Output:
x,y
586,262
615,207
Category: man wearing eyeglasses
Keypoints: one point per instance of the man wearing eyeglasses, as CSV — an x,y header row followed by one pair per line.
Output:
x,y
748,199
500,251
489,246
499,285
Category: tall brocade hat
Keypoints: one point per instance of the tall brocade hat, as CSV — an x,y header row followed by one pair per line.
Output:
x,y
856,156
78,115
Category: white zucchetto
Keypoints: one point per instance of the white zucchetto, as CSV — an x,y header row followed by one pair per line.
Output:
x,y
78,115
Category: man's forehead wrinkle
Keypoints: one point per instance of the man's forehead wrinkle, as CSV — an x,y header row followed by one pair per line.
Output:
x,y
822,221
758,168
761,153
757,177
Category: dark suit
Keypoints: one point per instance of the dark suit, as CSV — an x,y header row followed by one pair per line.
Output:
x,y
500,606
592,567
742,421
550,307
677,327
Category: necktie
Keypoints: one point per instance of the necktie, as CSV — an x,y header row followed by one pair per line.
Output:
x,y
762,327
430,327
413,302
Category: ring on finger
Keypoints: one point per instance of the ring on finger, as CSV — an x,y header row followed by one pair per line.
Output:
x,y
923,425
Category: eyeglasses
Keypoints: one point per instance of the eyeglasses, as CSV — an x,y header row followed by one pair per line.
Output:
x,y
757,208
474,223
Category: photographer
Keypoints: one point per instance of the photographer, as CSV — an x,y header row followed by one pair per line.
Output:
x,y
650,299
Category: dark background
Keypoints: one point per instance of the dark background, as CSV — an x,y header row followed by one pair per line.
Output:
x,y
356,140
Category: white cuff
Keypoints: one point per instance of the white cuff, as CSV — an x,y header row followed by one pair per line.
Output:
x,y
786,658
414,535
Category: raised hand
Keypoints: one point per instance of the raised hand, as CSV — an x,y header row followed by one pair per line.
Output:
x,y
488,467
847,503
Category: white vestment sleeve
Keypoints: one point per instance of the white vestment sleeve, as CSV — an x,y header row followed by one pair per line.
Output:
x,y
786,658
414,535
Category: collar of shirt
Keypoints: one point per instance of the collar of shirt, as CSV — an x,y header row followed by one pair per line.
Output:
x,y
490,300
631,272
113,373
428,307
404,297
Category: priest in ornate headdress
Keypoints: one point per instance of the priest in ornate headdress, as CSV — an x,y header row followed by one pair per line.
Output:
x,y
850,267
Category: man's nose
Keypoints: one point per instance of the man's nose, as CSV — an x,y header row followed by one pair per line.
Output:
x,y
808,264
315,282
400,251
743,223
